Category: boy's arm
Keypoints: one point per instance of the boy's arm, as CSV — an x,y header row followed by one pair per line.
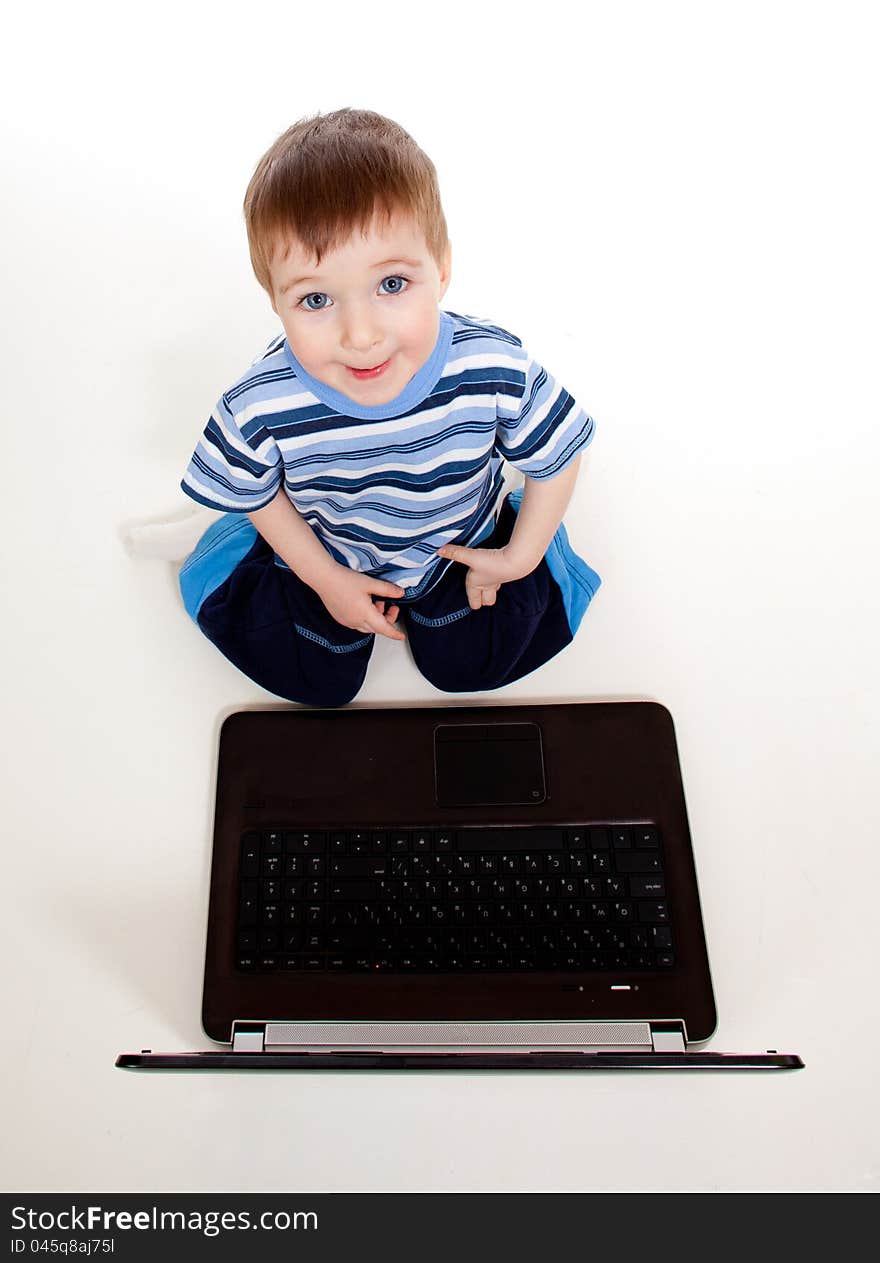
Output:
x,y
543,504
347,594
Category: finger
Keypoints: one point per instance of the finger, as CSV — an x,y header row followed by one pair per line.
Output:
x,y
457,552
390,614
489,595
382,627
380,588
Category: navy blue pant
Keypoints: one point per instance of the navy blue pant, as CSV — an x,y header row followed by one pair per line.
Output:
x,y
276,630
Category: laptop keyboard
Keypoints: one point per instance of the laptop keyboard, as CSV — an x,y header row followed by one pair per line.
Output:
x,y
589,897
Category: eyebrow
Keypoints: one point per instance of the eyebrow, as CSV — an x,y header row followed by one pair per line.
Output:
x,y
301,280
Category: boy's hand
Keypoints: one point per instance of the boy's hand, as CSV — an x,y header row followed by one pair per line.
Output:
x,y
488,568
348,597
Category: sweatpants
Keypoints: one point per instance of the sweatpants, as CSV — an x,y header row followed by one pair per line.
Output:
x,y
276,629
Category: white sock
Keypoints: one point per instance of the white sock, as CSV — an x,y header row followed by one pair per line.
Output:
x,y
169,539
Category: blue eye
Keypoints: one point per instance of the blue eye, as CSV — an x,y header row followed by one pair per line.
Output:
x,y
400,283
305,301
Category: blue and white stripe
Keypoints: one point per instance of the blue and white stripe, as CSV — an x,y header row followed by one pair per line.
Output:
x,y
384,487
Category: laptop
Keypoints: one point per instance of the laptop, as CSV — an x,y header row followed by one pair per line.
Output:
x,y
467,887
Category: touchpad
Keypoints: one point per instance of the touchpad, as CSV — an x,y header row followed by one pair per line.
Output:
x,y
487,765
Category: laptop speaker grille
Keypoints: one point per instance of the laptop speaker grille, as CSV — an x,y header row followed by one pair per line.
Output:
x,y
514,1035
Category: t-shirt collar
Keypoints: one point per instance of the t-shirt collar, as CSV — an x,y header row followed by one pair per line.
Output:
x,y
416,389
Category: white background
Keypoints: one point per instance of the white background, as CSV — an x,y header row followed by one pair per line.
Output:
x,y
675,207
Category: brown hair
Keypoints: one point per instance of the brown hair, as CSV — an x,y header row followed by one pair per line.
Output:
x,y
328,175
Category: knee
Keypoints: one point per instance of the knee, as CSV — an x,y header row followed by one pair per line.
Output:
x,y
328,695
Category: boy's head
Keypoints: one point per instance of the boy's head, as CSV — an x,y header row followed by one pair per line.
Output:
x,y
348,238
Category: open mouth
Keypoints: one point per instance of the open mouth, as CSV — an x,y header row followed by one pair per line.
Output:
x,y
365,374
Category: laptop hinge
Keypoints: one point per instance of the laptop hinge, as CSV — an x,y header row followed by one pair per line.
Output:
x,y
668,1037
249,1037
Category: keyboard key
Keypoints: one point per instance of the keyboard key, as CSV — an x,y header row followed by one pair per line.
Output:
x,y
641,886
508,840
358,866
646,836
250,855
247,912
352,890
653,912
303,843
634,862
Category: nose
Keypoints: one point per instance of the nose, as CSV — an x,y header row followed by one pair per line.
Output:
x,y
361,330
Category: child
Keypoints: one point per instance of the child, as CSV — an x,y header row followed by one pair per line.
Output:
x,y
359,461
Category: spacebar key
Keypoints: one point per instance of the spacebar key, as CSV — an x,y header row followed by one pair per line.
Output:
x,y
509,840
361,866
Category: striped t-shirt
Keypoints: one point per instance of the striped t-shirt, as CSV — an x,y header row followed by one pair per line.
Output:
x,y
384,486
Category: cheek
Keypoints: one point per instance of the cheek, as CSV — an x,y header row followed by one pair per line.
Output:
x,y
308,341
420,328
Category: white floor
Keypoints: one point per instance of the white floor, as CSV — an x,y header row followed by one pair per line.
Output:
x,y
712,301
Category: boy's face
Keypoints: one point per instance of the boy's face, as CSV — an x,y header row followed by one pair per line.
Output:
x,y
373,303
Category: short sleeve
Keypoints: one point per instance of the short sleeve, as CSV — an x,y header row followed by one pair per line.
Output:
x,y
236,466
540,427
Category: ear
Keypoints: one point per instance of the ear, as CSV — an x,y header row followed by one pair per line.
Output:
x,y
446,270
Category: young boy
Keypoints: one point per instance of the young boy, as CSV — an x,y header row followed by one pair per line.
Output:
x,y
359,461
